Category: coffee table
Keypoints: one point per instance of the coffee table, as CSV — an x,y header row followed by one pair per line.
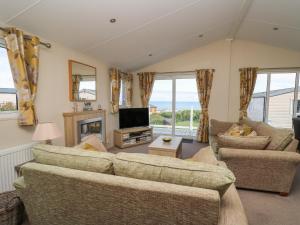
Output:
x,y
172,148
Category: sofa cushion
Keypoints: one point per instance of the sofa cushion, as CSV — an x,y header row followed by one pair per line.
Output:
x,y
172,170
101,162
217,127
249,122
92,143
239,130
244,142
280,137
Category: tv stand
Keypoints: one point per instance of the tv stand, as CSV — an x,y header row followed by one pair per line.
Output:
x,y
129,137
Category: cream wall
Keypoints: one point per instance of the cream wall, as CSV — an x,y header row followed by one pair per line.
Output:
x,y
226,57
53,96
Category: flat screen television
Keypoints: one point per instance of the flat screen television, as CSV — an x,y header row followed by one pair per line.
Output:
x,y
133,117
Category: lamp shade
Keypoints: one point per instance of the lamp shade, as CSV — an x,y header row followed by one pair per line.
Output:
x,y
46,131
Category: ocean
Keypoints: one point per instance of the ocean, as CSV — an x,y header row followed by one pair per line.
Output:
x,y
179,105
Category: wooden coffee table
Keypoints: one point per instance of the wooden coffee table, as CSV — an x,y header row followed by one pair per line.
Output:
x,y
172,148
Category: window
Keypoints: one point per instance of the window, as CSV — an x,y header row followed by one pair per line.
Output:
x,y
8,96
174,105
122,98
275,98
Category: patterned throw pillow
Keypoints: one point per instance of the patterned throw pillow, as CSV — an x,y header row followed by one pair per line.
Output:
x,y
92,143
237,130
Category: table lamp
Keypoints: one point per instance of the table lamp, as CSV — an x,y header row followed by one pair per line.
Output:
x,y
46,132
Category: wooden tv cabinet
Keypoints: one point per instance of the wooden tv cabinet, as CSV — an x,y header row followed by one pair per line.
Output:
x,y
124,138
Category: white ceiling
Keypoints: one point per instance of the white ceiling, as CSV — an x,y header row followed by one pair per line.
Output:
x,y
163,28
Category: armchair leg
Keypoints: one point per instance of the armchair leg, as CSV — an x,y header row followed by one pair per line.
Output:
x,y
283,194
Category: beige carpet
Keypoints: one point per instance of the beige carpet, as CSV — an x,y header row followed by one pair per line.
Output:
x,y
262,208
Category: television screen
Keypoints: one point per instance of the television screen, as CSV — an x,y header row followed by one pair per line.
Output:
x,y
133,117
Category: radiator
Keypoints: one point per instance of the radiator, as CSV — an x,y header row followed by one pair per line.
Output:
x,y
9,158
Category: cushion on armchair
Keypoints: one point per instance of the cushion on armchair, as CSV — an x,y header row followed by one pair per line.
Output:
x,y
239,130
244,142
280,137
216,127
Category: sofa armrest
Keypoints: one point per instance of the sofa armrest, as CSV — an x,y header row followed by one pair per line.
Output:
x,y
260,155
19,183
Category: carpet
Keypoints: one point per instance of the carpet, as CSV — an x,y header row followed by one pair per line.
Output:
x,y
262,208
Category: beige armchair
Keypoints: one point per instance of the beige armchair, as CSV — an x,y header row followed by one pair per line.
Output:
x,y
267,170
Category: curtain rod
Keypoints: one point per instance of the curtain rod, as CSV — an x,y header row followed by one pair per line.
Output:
x,y
187,71
48,45
280,68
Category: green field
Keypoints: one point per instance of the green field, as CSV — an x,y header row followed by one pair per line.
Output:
x,y
182,118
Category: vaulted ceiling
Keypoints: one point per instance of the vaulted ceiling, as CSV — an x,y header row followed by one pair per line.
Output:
x,y
147,31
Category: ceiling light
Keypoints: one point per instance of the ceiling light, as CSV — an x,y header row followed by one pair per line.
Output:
x,y
113,20
150,54
200,35
275,28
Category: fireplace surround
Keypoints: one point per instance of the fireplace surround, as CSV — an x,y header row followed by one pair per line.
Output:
x,y
80,124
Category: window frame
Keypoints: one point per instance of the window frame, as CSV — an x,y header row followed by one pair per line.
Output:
x,y
173,77
269,73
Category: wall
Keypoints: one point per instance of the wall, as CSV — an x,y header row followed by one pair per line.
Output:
x,y
226,57
53,95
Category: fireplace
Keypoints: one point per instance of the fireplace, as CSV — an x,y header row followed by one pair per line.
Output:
x,y
91,126
80,124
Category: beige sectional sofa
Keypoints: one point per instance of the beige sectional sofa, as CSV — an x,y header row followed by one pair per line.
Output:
x,y
270,169
62,194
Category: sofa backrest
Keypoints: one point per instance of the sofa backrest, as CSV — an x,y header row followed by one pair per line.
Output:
x,y
57,195
73,158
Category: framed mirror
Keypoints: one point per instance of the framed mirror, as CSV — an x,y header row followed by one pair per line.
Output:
x,y
82,82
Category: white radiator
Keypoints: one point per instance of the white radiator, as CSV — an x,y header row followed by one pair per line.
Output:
x,y
9,158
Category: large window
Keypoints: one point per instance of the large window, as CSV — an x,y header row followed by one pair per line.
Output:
x,y
174,105
8,97
275,98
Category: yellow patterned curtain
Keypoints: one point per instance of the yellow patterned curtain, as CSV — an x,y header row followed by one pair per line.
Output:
x,y
23,57
204,79
76,82
115,83
247,83
146,81
128,79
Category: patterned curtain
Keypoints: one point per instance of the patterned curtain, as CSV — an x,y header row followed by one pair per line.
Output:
x,y
146,81
128,79
23,57
76,82
247,84
204,79
115,83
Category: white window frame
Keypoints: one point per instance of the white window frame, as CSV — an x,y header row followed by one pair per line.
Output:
x,y
174,77
7,115
296,88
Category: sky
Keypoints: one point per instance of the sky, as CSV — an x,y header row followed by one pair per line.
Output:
x,y
186,90
278,81
6,80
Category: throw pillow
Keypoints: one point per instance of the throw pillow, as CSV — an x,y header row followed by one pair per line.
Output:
x,y
172,170
249,122
239,130
244,142
101,162
92,143
280,137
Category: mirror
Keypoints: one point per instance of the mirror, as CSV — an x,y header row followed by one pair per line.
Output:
x,y
82,82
